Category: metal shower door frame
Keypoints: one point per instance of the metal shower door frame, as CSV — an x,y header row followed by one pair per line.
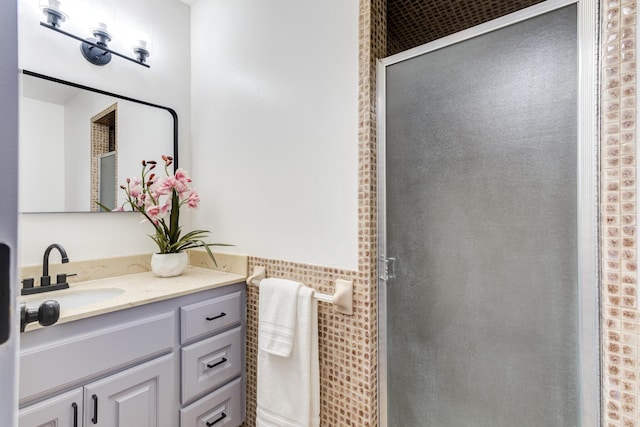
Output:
x,y
587,191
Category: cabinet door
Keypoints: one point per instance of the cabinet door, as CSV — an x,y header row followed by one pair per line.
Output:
x,y
142,396
64,410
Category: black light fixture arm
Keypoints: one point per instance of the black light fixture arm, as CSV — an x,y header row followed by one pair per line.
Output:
x,y
100,46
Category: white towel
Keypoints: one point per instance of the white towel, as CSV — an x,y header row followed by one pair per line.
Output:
x,y
289,387
277,315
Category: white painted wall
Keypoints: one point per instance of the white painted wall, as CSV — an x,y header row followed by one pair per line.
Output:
x,y
167,82
78,113
274,129
42,156
158,133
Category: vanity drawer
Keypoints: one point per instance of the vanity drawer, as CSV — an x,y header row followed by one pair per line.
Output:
x,y
220,408
210,363
206,317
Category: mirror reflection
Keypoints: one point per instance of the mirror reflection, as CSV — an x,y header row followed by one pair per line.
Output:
x,y
78,144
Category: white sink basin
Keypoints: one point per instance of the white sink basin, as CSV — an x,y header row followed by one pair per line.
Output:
x,y
73,298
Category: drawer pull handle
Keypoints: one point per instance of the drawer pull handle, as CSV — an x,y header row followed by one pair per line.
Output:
x,y
95,409
74,405
224,359
222,417
216,317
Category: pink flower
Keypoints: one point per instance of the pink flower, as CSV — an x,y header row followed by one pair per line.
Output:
x,y
182,176
140,201
135,187
165,209
165,186
179,182
136,191
153,211
182,183
194,199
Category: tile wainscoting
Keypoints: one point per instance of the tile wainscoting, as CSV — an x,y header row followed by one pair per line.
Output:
x,y
344,344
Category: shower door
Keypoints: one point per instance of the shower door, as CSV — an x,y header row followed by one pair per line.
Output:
x,y
479,190
107,180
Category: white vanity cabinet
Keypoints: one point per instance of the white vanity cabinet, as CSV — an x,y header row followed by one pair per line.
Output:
x,y
169,363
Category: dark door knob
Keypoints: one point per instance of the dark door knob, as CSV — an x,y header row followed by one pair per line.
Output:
x,y
47,314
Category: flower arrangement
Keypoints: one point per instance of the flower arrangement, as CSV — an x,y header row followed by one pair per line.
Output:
x,y
159,199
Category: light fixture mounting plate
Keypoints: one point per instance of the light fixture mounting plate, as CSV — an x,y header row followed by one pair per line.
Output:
x,y
95,55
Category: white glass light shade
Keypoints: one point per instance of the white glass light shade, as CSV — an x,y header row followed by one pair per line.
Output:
x,y
102,17
140,44
51,4
139,35
52,9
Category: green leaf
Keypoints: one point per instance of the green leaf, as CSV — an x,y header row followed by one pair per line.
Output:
x,y
174,227
103,207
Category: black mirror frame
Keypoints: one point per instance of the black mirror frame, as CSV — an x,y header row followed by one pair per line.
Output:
x,y
171,111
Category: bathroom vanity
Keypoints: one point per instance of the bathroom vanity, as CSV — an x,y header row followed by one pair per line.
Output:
x,y
164,352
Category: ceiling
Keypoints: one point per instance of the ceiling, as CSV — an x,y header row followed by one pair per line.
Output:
x,y
411,23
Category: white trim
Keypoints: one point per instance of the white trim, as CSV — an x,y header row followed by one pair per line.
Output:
x,y
588,202
588,215
381,131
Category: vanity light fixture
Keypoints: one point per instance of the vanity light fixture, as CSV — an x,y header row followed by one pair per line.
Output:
x,y
95,49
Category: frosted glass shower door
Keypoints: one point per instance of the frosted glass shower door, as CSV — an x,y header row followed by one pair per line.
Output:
x,y
481,215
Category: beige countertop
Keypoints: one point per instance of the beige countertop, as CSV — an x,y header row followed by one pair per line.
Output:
x,y
132,290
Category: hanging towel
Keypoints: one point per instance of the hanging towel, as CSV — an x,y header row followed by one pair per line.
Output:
x,y
289,387
277,314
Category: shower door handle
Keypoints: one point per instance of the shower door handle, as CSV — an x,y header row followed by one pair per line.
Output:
x,y
387,268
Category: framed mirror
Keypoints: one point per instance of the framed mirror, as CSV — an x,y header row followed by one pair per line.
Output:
x,y
78,144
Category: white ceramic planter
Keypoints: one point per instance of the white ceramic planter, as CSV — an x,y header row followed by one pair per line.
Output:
x,y
169,265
